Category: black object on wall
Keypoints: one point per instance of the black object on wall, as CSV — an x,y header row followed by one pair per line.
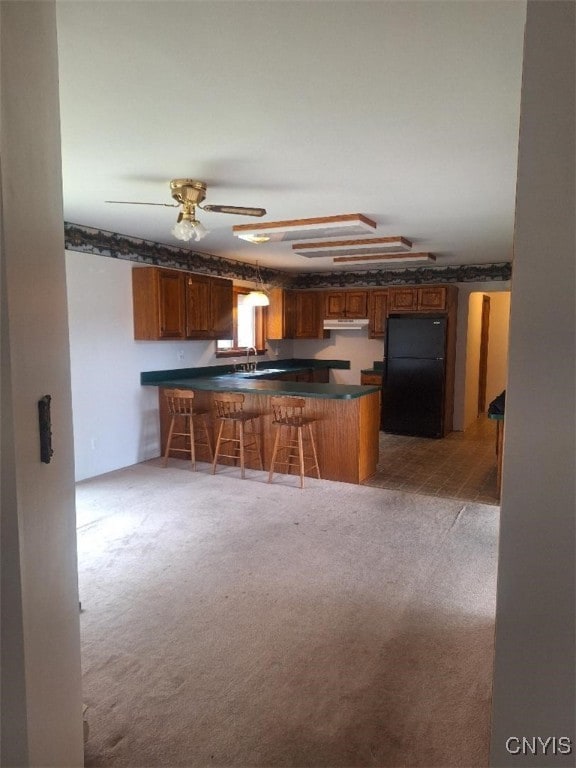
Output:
x,y
413,384
45,425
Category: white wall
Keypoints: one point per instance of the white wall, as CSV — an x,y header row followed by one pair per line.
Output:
x,y
534,692
40,638
343,345
115,418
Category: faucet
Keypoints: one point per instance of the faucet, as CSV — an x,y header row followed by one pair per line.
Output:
x,y
250,366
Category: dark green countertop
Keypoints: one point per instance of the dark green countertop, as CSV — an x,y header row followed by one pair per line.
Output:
x,y
291,365
378,368
239,383
222,378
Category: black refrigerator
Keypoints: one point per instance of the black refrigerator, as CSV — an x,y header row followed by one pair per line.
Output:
x,y
413,384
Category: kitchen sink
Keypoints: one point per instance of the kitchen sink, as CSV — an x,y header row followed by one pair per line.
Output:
x,y
258,373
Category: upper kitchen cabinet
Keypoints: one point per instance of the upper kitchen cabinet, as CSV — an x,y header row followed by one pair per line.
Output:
x,y
280,315
377,313
169,304
295,315
222,306
345,304
308,314
209,307
158,303
428,298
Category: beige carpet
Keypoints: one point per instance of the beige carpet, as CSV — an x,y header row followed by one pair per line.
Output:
x,y
236,623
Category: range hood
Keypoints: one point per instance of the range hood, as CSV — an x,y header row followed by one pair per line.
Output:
x,y
345,324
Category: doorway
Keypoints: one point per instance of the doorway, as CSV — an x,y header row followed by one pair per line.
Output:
x,y
483,362
486,352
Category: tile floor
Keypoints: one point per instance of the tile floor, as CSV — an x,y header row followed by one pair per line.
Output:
x,y
459,466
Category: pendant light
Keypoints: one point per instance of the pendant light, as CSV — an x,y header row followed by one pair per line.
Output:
x,y
258,297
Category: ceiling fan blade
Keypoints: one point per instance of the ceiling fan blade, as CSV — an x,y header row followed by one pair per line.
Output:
x,y
133,202
238,209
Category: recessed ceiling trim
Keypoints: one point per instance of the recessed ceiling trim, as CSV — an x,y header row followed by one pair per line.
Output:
x,y
370,245
396,239
306,229
394,257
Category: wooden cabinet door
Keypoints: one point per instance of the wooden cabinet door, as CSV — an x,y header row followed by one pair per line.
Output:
x,y
198,307
145,303
338,304
356,304
403,299
377,314
308,318
320,375
334,305
280,314
432,298
289,314
221,305
171,313
428,298
158,303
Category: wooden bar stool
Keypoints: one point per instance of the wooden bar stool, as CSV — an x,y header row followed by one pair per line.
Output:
x,y
229,408
290,422
181,408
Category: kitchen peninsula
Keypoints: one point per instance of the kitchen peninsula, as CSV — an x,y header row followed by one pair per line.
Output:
x,y
347,416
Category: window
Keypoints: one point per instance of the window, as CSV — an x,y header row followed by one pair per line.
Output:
x,y
248,325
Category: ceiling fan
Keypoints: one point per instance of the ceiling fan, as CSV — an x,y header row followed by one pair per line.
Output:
x,y
189,193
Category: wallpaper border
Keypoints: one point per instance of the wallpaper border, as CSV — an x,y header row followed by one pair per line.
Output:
x,y
113,245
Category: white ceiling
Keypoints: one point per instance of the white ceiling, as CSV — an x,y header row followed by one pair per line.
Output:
x,y
404,111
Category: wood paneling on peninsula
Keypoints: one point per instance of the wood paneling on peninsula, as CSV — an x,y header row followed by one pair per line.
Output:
x,y
346,432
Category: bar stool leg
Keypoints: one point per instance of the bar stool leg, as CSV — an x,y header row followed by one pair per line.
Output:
x,y
192,445
256,440
313,444
169,441
274,452
208,440
217,449
292,442
241,429
301,456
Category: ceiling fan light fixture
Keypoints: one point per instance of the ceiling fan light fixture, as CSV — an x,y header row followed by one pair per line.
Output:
x,y
189,230
188,227
200,230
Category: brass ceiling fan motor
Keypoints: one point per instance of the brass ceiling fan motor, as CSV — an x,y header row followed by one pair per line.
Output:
x,y
188,191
